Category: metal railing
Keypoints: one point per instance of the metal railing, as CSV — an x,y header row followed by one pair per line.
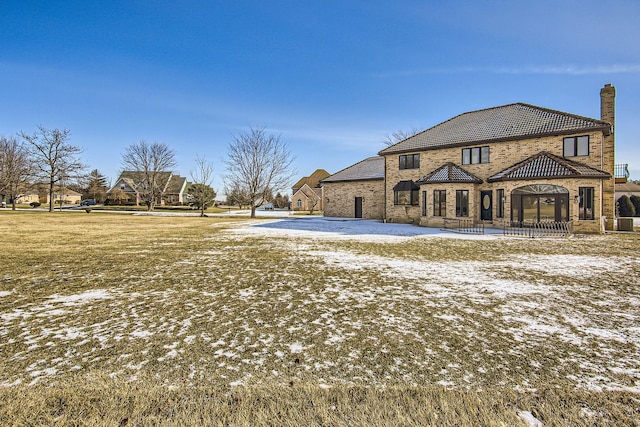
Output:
x,y
463,225
539,229
621,171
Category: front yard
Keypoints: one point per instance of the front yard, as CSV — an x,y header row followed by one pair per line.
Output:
x,y
305,319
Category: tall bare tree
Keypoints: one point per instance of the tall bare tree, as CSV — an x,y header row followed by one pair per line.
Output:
x,y
153,161
55,159
399,135
257,164
15,169
201,192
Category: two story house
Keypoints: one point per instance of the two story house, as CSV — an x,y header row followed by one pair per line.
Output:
x,y
514,163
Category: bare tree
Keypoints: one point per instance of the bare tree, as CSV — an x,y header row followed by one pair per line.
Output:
x,y
397,136
236,196
15,169
153,162
55,160
257,164
201,192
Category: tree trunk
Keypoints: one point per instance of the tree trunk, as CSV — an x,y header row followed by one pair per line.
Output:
x,y
253,211
51,196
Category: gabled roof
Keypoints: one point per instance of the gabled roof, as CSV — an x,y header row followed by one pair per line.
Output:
x,y
312,180
309,192
449,173
505,123
173,184
545,165
368,169
176,184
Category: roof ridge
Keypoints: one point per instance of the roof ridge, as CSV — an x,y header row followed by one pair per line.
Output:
x,y
500,123
564,113
355,164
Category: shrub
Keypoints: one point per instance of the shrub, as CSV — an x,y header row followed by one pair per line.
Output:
x,y
625,207
635,201
34,204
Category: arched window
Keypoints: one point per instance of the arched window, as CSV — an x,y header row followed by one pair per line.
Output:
x,y
540,203
299,203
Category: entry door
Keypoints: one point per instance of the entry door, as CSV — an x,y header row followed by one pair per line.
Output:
x,y
486,205
358,207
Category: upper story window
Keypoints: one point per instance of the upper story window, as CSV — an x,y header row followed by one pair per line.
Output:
x,y
472,156
576,146
410,161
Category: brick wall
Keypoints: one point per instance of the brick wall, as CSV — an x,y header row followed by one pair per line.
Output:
x,y
502,155
607,111
339,198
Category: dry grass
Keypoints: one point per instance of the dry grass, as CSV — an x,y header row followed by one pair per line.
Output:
x,y
108,318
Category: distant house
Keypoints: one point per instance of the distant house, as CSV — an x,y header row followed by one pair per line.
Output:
x,y
356,191
308,191
40,194
627,189
128,189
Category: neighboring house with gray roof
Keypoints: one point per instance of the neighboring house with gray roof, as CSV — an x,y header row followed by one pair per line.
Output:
x,y
356,191
128,188
516,163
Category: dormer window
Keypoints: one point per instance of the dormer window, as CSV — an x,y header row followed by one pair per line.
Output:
x,y
576,146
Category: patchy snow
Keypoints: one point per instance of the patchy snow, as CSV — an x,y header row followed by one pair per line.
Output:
x,y
296,347
374,319
79,298
346,228
5,293
528,418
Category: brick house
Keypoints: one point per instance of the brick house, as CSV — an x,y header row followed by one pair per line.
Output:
x,y
129,184
308,191
513,163
516,163
356,191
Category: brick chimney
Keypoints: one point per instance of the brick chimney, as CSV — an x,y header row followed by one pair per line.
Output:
x,y
608,104
607,114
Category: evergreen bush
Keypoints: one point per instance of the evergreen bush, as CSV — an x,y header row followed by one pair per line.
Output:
x,y
635,201
625,207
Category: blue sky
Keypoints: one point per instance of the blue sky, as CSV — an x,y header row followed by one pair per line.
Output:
x,y
331,77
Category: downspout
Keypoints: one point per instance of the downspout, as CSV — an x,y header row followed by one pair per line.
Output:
x,y
384,204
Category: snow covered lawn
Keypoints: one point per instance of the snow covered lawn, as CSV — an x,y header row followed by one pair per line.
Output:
x,y
323,302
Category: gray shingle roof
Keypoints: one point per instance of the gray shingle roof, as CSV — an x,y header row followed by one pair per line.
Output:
x,y
508,122
449,173
548,166
367,169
